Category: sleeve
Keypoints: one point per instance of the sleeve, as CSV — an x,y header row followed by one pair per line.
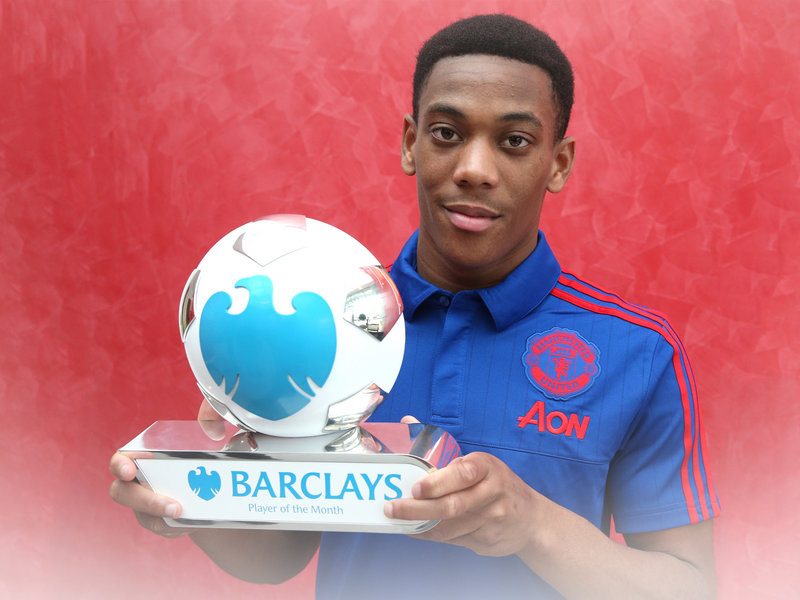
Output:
x,y
658,478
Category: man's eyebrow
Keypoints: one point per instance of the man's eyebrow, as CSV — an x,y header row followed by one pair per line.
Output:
x,y
449,109
522,116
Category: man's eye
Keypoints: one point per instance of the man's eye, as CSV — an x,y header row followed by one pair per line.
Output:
x,y
516,141
445,134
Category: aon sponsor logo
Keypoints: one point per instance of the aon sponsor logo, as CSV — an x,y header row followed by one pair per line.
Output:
x,y
555,422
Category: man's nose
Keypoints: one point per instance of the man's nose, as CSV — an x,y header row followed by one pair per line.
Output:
x,y
476,164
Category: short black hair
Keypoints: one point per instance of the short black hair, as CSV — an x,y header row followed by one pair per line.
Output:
x,y
506,36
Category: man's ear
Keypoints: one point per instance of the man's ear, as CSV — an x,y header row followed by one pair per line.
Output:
x,y
563,159
407,150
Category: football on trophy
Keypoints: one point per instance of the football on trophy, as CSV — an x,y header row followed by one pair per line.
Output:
x,y
292,328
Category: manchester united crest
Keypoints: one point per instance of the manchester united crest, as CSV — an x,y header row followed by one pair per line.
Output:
x,y
560,363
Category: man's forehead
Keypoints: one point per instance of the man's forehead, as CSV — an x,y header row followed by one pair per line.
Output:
x,y
517,89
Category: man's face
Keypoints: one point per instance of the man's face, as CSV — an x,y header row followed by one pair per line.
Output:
x,y
484,152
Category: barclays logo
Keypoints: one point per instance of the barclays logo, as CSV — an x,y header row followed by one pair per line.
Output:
x,y
267,359
315,485
204,485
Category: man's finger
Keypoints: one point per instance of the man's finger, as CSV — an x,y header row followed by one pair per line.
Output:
x,y
453,530
408,420
215,430
207,413
462,473
425,510
122,467
160,527
143,500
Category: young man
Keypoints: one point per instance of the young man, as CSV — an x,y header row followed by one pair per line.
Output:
x,y
570,405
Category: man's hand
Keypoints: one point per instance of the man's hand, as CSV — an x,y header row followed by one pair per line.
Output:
x,y
149,507
480,502
249,554
482,505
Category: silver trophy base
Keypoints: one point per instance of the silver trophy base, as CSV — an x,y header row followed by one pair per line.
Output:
x,y
225,477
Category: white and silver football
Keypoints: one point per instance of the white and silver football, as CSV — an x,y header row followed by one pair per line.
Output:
x,y
292,328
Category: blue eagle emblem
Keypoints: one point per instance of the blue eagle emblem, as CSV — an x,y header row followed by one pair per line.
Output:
x,y
205,485
266,357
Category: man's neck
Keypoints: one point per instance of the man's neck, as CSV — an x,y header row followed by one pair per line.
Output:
x,y
435,269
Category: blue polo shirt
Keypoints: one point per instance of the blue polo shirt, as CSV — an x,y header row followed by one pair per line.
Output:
x,y
587,398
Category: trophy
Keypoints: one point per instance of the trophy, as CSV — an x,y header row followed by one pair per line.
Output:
x,y
292,330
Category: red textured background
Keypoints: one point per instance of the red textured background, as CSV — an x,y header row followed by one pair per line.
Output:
x,y
133,134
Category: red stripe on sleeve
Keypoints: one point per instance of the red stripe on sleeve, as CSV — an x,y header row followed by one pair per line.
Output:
x,y
678,366
699,432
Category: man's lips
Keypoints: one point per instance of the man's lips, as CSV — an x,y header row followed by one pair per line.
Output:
x,y
470,218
